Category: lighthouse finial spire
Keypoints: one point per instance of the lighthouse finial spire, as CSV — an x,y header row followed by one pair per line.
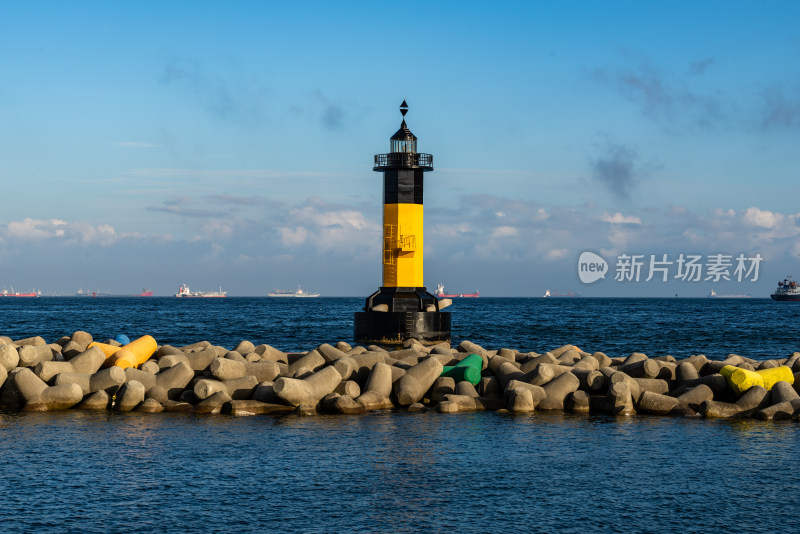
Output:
x,y
404,109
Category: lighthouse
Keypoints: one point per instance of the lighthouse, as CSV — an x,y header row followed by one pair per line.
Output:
x,y
402,308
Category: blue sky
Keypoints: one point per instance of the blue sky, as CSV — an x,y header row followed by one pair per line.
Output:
x,y
151,144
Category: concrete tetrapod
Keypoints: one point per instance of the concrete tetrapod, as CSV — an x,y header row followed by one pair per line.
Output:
x,y
577,401
520,400
205,388
686,371
465,388
30,355
108,380
130,396
148,380
171,382
620,400
755,397
150,406
241,388
695,396
348,388
375,395
641,369
38,396
99,400
225,369
506,372
201,359
782,392
213,404
537,393
308,363
167,361
411,387
87,362
444,385
656,403
782,410
541,374
308,391
590,379
557,390
358,366
341,404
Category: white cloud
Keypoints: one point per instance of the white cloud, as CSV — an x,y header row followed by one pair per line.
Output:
x,y
556,254
762,218
32,230
505,231
218,228
448,230
619,218
293,237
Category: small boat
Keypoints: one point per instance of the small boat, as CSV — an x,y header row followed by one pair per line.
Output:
x,y
185,292
145,293
300,293
442,295
12,293
788,289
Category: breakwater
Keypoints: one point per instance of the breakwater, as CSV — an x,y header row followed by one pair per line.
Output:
x,y
78,372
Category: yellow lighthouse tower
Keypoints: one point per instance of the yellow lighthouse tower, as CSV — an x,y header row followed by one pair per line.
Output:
x,y
402,308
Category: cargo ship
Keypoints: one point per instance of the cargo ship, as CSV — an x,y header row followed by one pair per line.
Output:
x,y
300,293
145,293
12,293
714,295
87,293
788,289
442,295
184,291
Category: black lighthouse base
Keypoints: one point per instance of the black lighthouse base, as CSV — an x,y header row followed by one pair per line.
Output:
x,y
405,313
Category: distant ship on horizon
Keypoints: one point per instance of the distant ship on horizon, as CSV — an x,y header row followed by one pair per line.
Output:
x,y
788,290
441,294
714,294
96,293
555,294
146,292
299,293
185,292
12,293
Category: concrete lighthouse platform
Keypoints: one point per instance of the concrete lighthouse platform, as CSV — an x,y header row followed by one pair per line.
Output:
x,y
393,315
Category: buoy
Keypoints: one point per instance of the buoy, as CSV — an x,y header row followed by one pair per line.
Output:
x,y
107,349
775,375
134,353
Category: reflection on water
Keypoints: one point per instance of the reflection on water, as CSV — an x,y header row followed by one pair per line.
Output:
x,y
96,472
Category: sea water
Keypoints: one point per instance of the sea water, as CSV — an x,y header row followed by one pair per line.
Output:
x,y
480,472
